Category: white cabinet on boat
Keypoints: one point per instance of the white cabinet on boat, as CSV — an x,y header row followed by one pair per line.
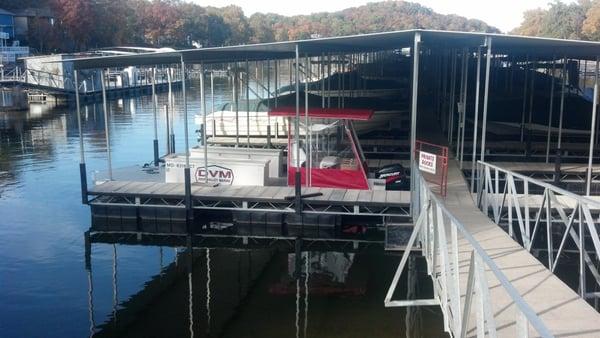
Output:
x,y
220,170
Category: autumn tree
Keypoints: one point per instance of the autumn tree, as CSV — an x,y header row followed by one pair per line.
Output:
x,y
578,20
75,19
591,24
532,23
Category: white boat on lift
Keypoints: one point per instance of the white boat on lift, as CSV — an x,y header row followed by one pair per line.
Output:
x,y
226,122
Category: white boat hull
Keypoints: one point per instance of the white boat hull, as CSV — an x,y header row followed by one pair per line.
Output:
x,y
223,123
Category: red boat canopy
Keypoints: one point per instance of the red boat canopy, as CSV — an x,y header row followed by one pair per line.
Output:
x,y
325,113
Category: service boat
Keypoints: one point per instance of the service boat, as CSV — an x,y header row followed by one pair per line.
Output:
x,y
326,153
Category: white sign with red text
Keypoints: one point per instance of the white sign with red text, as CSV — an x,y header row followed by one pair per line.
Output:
x,y
220,171
427,162
216,174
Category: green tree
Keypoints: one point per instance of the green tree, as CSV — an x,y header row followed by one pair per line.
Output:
x,y
234,18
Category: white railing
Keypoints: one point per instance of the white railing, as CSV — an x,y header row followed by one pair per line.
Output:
x,y
434,225
15,50
87,84
11,54
14,74
508,197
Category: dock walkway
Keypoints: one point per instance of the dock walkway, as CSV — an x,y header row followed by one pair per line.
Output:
x,y
560,308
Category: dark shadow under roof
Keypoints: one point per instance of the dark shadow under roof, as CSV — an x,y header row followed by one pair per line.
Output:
x,y
517,46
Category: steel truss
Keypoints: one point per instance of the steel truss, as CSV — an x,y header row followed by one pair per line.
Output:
x,y
503,194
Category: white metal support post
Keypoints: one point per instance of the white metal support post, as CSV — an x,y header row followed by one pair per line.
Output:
x,y
307,136
413,118
592,132
106,125
525,85
154,115
212,101
551,109
464,109
247,105
562,102
203,112
297,177
82,169
476,117
186,170
486,96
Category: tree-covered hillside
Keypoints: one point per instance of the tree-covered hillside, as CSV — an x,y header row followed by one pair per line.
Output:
x,y
84,24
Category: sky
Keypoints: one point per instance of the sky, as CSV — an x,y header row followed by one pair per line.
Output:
x,y
505,15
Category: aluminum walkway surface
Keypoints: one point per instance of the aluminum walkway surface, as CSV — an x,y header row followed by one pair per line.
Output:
x,y
560,308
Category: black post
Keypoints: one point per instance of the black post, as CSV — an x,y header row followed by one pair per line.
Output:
x,y
189,244
557,173
172,143
528,144
83,178
297,191
155,152
269,145
88,250
201,133
189,216
298,260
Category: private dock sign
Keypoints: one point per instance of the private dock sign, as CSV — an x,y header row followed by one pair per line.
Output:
x,y
427,162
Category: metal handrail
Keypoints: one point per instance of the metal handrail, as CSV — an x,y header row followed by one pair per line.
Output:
x,y
543,184
503,199
431,231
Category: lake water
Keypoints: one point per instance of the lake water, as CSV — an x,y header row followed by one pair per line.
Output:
x,y
148,291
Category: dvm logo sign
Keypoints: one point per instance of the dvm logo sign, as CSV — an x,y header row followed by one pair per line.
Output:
x,y
216,174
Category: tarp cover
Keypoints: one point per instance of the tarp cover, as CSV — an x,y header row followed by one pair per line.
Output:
x,y
331,178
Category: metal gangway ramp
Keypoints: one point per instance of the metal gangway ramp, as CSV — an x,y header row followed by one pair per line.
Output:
x,y
485,282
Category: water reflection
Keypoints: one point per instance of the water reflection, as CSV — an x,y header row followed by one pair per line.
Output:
x,y
223,292
12,99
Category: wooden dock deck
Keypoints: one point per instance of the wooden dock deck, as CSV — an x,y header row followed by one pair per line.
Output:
x,y
557,305
253,198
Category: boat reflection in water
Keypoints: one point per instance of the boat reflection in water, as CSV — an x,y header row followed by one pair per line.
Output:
x,y
279,290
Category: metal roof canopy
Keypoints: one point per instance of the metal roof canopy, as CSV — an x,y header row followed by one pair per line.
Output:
x,y
540,48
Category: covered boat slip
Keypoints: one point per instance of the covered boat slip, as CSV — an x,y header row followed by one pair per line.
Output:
x,y
461,84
